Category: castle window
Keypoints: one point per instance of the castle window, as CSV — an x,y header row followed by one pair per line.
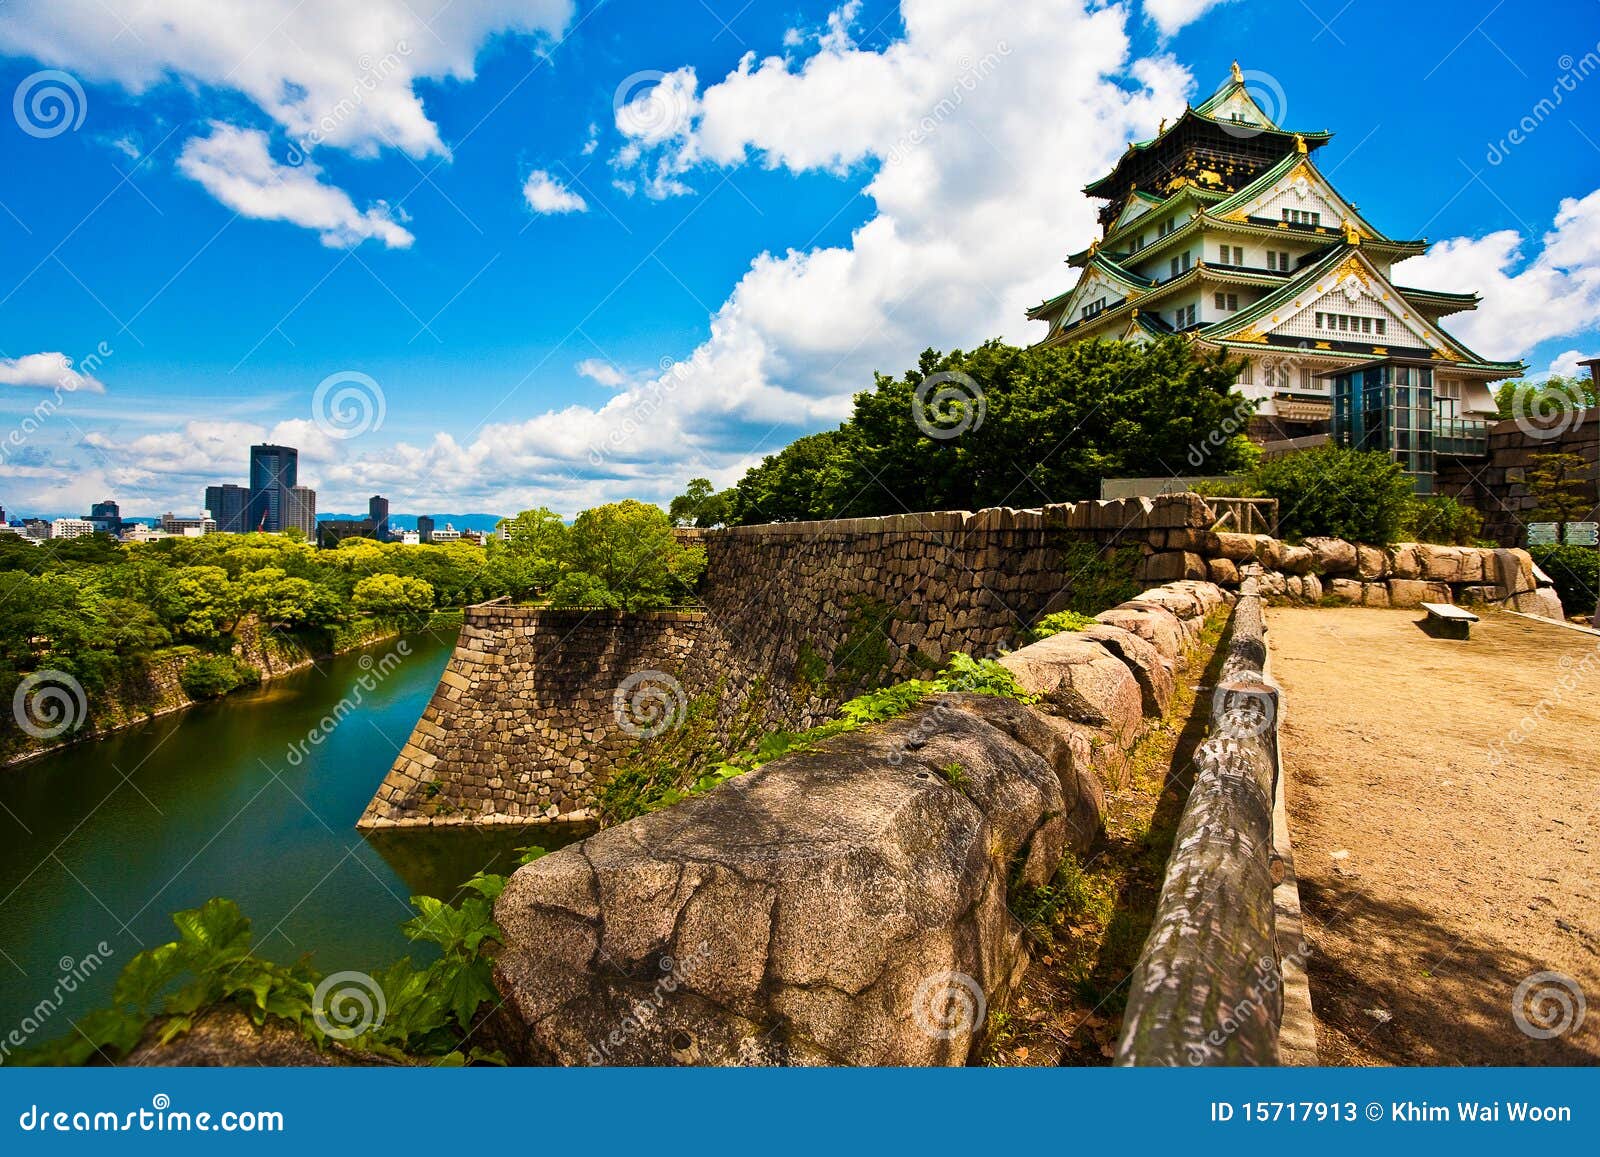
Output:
x,y
1277,261
1226,300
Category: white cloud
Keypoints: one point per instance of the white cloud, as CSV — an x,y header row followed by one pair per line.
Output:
x,y
599,370
547,194
237,168
1565,365
1171,16
975,131
46,371
1526,300
341,72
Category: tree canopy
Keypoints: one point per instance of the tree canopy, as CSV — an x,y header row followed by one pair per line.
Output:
x,y
999,425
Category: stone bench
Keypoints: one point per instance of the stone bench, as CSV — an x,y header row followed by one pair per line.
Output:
x,y
1448,621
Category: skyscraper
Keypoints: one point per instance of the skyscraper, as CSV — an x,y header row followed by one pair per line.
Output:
x,y
425,527
302,512
273,474
378,515
228,504
106,516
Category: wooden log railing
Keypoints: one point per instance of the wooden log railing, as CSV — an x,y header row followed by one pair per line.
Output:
x,y
1245,515
1208,987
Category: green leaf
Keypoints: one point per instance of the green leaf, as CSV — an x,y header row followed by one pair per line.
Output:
x,y
149,974
462,985
489,886
216,933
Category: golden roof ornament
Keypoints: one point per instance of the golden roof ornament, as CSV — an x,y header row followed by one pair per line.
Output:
x,y
1163,127
1300,144
1238,77
1352,235
1094,246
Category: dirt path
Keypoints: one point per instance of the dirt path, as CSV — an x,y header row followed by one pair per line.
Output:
x,y
1442,862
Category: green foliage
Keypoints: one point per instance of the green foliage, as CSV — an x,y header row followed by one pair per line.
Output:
x,y
701,506
1442,520
212,676
1071,893
1576,572
393,596
1098,576
863,657
1057,623
1558,483
1054,421
1357,495
810,668
691,760
627,557
427,1012
1554,395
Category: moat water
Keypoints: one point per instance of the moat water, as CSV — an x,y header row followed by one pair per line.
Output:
x,y
101,842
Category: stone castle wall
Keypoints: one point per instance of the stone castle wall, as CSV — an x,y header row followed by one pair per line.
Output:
x,y
522,725
801,616
1499,488
795,618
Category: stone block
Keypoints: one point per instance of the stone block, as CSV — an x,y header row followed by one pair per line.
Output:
x,y
1371,563
1334,556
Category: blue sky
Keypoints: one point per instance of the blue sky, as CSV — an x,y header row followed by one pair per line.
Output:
x,y
575,252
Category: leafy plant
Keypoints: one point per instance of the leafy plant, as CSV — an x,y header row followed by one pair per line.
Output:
x,y
1071,892
1441,519
1058,623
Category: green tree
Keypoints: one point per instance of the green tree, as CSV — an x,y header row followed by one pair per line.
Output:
x,y
275,597
207,602
628,548
393,595
700,505
1556,393
1002,425
1358,495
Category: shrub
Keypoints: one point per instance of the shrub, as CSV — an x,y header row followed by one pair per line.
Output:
x,y
1441,520
1576,573
1357,495
213,676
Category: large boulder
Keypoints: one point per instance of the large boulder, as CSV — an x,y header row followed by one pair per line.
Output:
x,y
1440,563
1082,680
1156,625
1334,556
1153,671
844,905
1371,563
1296,559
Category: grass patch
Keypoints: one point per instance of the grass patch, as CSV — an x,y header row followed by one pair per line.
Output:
x,y
1087,927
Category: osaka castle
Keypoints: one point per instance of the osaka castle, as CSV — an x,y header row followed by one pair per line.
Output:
x,y
1222,228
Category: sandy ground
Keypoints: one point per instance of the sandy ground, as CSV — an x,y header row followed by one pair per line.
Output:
x,y
1447,841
